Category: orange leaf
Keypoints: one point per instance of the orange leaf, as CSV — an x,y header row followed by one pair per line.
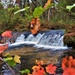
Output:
x,y
35,25
51,69
69,71
39,62
2,48
38,70
7,34
47,3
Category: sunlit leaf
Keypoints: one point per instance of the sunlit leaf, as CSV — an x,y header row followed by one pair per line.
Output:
x,y
34,67
38,11
17,59
21,10
47,3
39,62
70,7
25,71
49,6
8,58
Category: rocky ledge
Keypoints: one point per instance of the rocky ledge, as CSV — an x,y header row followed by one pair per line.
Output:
x,y
30,54
69,38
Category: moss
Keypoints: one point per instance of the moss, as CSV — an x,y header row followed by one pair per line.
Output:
x,y
69,39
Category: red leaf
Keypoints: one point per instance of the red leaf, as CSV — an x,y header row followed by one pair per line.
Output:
x,y
7,34
69,71
38,70
64,62
51,69
2,48
73,63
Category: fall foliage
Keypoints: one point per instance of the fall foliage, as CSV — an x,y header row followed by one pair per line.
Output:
x,y
51,69
3,47
35,25
47,3
68,65
7,34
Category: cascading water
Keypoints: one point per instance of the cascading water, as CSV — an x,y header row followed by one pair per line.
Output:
x,y
52,39
30,39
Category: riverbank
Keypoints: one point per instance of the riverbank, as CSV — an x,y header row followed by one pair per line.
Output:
x,y
30,54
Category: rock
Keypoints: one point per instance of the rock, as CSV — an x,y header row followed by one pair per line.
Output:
x,y
69,37
30,54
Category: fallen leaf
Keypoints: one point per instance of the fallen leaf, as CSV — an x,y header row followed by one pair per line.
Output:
x,y
17,59
2,48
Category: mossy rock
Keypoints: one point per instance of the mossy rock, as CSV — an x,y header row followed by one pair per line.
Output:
x,y
69,39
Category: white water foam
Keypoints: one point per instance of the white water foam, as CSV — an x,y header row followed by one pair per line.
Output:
x,y
28,41
51,47
49,40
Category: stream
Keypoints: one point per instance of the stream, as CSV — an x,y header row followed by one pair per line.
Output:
x,y
47,46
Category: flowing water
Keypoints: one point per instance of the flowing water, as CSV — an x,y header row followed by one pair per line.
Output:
x,y
52,39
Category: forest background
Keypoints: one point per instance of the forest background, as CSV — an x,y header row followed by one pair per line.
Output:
x,y
56,17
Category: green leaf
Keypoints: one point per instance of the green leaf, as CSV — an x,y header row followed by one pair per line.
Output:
x,y
21,10
11,63
38,11
25,71
8,58
13,8
70,7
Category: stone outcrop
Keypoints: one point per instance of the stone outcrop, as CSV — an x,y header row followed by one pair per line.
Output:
x,y
69,38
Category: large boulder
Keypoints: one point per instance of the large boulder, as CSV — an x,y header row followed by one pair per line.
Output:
x,y
69,38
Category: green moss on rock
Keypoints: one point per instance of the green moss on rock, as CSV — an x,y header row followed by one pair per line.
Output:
x,y
69,39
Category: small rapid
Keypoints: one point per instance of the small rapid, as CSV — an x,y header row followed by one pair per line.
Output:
x,y
52,39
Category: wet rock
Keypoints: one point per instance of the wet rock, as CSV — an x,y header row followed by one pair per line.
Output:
x,y
69,39
30,54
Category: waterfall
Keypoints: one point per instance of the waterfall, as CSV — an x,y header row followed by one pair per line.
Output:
x,y
21,38
30,39
52,39
33,38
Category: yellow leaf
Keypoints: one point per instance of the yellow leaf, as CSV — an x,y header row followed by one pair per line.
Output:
x,y
47,3
39,62
17,59
34,67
